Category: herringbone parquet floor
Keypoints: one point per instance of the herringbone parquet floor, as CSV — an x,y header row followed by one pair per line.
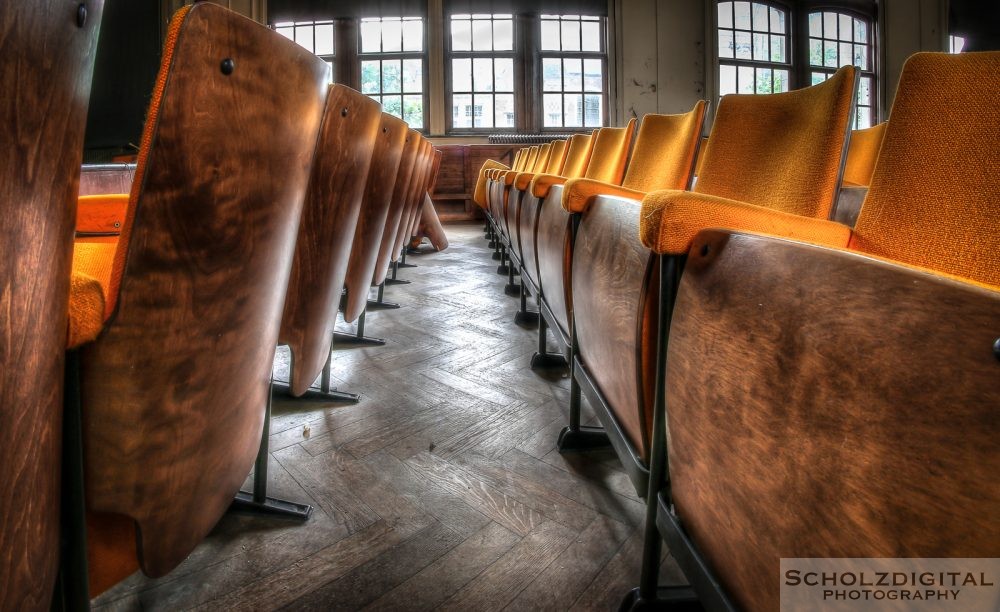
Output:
x,y
441,489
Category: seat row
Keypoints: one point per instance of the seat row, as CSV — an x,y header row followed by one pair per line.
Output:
x,y
785,368
263,200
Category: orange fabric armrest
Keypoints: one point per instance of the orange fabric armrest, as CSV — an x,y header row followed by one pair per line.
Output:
x,y
671,219
522,180
542,183
101,215
479,196
86,310
580,192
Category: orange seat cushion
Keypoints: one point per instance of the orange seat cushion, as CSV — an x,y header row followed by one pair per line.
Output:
x,y
86,309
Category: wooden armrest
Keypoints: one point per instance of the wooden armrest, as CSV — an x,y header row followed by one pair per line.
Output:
x,y
670,220
101,215
579,193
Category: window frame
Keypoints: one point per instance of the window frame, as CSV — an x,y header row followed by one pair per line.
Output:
x,y
798,40
789,63
808,68
381,56
516,57
541,55
330,58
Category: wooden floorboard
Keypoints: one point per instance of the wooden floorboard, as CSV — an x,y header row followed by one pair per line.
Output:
x,y
441,490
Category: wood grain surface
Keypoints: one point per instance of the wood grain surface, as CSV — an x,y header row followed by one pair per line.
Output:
x,y
43,113
393,219
555,258
413,199
380,190
174,389
527,223
824,404
329,221
611,273
453,435
431,163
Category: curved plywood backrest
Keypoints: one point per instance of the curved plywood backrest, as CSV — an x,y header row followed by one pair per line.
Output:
x,y
610,151
174,388
403,182
934,198
665,149
862,154
419,180
433,165
394,139
802,424
43,112
329,221
783,150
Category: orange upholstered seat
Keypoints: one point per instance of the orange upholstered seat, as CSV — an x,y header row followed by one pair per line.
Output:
x,y
779,152
194,290
801,379
799,175
862,154
663,158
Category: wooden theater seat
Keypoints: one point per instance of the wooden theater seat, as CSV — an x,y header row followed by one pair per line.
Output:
x,y
427,179
609,269
174,387
578,152
479,195
857,415
404,182
429,226
414,199
754,156
554,244
512,193
512,245
396,141
43,113
326,233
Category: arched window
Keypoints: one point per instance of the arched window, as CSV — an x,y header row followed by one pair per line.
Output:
x,y
754,54
839,39
764,47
